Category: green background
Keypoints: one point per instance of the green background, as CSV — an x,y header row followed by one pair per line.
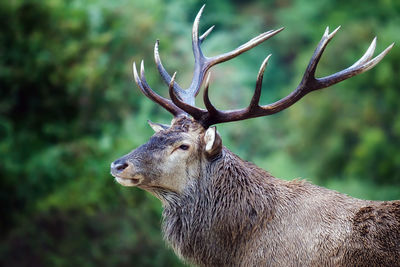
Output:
x,y
69,107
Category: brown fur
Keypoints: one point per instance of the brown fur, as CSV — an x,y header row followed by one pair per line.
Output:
x,y
229,212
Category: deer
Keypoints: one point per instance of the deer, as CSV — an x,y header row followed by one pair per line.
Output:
x,y
220,210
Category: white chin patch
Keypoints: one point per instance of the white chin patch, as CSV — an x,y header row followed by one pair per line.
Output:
x,y
128,181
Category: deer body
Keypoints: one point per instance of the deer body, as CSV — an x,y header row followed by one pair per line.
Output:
x,y
232,213
222,211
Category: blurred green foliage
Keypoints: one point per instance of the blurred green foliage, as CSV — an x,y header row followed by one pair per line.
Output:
x,y
68,107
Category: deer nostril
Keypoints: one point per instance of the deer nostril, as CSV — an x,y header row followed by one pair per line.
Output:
x,y
121,166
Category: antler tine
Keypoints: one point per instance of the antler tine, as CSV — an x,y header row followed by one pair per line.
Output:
x,y
367,55
210,108
257,92
202,63
308,84
164,74
204,36
244,47
200,66
309,74
147,91
195,35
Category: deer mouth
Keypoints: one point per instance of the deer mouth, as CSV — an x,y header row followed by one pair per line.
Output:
x,y
128,181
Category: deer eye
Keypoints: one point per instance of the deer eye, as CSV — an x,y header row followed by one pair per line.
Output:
x,y
184,147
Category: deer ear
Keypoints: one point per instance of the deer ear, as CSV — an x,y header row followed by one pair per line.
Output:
x,y
212,141
157,127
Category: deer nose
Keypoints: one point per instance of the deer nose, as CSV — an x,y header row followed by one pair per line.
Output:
x,y
118,166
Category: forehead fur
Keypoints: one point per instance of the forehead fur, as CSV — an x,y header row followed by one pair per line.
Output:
x,y
181,127
186,125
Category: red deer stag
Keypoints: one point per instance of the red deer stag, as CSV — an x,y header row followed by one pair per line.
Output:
x,y
220,210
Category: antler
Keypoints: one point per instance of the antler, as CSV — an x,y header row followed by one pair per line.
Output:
x,y
183,100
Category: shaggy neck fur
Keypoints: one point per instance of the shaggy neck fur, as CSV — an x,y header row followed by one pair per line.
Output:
x,y
215,217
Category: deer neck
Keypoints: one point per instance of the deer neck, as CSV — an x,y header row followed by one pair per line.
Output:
x,y
230,201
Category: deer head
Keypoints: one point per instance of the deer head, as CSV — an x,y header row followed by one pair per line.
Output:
x,y
176,155
172,158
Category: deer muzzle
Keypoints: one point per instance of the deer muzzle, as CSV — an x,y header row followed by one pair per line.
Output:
x,y
125,173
